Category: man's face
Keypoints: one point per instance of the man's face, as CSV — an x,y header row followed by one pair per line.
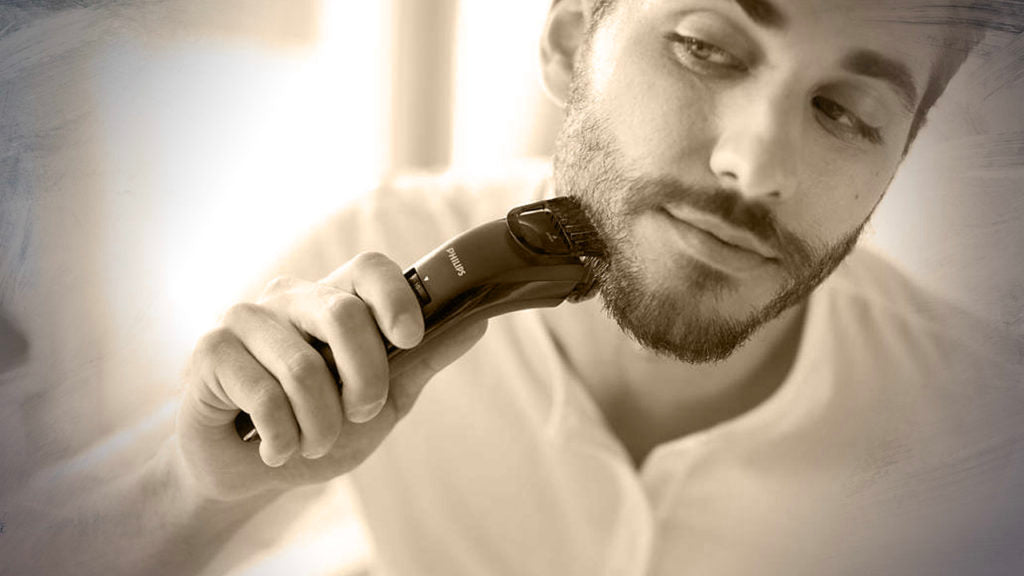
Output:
x,y
731,151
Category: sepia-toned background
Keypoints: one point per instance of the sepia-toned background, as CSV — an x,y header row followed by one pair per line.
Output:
x,y
155,156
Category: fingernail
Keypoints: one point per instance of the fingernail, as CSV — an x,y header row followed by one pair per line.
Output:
x,y
276,461
407,330
311,455
365,413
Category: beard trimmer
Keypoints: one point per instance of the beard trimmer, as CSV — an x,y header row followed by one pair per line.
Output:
x,y
540,255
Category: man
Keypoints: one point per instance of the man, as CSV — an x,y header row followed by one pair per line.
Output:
x,y
730,152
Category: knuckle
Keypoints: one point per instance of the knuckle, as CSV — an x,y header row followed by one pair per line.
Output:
x,y
214,349
372,260
215,342
239,311
304,365
268,400
342,307
279,284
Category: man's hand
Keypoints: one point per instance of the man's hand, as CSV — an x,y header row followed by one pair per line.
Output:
x,y
261,360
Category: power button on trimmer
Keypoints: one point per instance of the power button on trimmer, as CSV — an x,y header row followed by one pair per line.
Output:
x,y
417,287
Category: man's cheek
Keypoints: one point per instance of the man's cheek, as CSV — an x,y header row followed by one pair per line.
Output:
x,y
820,218
660,129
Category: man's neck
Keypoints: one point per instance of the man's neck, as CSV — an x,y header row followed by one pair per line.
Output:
x,y
649,399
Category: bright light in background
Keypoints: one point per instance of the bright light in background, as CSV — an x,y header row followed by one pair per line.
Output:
x,y
230,150
314,145
212,155
497,78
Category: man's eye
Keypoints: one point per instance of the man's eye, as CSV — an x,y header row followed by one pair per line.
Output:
x,y
704,54
846,121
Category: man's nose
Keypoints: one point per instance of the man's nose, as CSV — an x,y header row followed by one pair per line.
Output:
x,y
757,149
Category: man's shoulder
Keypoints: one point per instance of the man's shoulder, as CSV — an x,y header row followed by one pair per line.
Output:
x,y
870,279
929,357
934,394
873,293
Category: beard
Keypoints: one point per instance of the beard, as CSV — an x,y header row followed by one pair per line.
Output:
x,y
676,314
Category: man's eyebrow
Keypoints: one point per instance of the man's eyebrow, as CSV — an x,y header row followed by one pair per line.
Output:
x,y
763,12
874,65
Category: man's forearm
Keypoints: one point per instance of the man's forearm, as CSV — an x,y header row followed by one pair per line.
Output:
x,y
86,519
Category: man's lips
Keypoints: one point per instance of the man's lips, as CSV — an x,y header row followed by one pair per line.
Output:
x,y
727,233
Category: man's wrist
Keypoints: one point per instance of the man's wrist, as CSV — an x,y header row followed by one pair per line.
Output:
x,y
191,490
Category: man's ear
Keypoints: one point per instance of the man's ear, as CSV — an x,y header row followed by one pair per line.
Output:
x,y
560,45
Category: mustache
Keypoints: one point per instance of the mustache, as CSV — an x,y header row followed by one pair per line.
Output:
x,y
731,207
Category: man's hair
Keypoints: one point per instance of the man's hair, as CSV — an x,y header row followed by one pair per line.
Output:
x,y
963,35
601,8
956,46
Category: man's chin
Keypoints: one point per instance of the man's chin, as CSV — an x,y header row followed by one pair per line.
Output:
x,y
694,340
696,315
693,280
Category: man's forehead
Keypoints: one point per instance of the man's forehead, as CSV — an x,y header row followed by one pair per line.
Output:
x,y
912,29
779,13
